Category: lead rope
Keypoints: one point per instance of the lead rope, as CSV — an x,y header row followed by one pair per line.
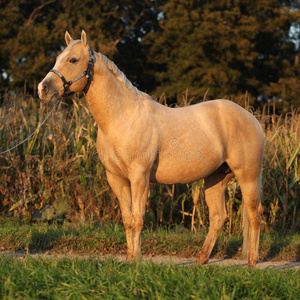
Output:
x,y
12,148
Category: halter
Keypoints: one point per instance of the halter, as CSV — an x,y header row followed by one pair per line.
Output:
x,y
88,73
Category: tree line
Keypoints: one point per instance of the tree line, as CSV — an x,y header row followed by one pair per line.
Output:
x,y
212,49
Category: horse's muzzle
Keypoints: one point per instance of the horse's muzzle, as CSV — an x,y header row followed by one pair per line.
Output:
x,y
46,92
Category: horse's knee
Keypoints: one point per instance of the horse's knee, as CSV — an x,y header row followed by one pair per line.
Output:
x,y
137,222
127,221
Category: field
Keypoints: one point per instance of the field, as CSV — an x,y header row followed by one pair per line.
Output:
x,y
57,174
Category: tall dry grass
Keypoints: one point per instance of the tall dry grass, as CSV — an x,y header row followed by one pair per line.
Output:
x,y
59,166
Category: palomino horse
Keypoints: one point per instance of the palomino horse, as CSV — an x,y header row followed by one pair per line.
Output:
x,y
141,141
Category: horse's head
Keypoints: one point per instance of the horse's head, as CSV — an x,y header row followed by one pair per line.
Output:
x,y
71,72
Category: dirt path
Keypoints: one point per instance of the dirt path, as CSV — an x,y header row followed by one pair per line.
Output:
x,y
164,259
181,261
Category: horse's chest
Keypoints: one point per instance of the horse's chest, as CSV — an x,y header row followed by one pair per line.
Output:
x,y
111,158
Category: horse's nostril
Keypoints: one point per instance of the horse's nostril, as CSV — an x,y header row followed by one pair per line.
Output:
x,y
45,88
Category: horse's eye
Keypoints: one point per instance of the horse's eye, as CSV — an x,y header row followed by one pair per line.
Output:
x,y
73,60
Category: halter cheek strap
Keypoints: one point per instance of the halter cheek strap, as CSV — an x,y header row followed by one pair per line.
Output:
x,y
88,73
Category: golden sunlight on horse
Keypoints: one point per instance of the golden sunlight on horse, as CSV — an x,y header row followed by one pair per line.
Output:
x,y
141,141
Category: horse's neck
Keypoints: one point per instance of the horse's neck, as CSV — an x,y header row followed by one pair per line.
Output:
x,y
109,99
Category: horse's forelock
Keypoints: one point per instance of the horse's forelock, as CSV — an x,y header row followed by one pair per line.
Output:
x,y
74,42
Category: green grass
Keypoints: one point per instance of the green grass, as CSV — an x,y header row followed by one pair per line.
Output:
x,y
83,238
109,279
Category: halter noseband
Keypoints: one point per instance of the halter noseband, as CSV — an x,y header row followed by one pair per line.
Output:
x,y
88,73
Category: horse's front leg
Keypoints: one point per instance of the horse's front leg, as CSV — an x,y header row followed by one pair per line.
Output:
x,y
121,189
139,181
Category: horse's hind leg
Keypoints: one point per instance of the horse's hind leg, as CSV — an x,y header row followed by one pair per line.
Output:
x,y
252,211
215,186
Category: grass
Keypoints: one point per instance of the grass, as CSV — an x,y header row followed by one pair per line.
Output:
x,y
95,279
95,238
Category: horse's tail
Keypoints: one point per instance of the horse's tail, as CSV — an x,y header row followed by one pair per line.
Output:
x,y
245,220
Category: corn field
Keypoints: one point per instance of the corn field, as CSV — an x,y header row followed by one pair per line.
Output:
x,y
59,168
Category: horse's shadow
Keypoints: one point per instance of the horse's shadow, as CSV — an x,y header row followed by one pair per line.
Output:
x,y
232,249
45,241
275,249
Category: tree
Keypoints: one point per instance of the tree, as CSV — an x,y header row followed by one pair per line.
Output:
x,y
37,33
223,47
216,49
26,42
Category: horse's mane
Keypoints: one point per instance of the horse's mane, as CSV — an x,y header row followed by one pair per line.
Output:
x,y
122,77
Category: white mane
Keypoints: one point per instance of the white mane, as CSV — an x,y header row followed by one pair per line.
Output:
x,y
122,77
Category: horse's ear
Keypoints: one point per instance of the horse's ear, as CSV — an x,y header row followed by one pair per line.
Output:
x,y
68,38
84,39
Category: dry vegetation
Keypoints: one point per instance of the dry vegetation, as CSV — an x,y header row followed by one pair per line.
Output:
x,y
59,166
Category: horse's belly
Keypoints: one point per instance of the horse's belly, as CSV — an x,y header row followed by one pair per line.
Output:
x,y
184,169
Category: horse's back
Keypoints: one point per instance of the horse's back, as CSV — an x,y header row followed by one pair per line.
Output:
x,y
220,121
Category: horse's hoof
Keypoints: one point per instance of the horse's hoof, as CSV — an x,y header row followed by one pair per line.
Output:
x,y
129,258
133,258
201,261
252,261
252,264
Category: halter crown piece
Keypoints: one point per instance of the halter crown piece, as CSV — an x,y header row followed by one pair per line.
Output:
x,y
88,73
